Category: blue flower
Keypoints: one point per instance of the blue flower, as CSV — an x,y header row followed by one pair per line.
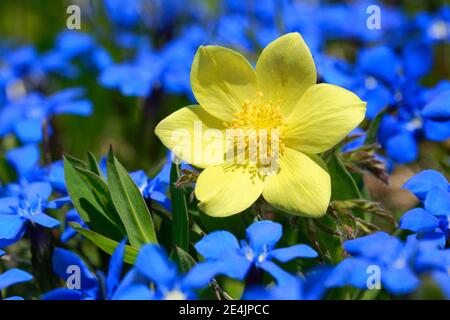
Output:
x,y
26,116
69,232
12,277
309,288
25,160
153,266
394,260
135,78
437,263
438,109
431,222
89,286
27,204
225,255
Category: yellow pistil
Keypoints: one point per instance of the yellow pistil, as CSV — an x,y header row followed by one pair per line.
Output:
x,y
256,125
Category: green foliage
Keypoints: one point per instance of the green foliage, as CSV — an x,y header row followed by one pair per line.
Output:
x,y
180,216
112,209
129,203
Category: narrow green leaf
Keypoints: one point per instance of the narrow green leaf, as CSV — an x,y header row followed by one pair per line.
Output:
x,y
87,203
183,259
100,190
180,217
93,165
106,244
372,132
129,204
74,161
343,186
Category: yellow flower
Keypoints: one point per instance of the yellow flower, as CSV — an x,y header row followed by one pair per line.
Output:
x,y
280,96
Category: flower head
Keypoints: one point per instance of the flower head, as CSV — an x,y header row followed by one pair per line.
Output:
x,y
258,131
225,255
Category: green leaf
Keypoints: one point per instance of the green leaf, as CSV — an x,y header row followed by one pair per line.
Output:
x,y
180,217
183,259
105,243
87,203
343,186
100,190
129,204
93,165
372,131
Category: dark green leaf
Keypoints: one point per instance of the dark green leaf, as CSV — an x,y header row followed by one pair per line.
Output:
x,y
180,217
372,132
105,243
100,190
87,203
93,165
129,204
343,186
183,259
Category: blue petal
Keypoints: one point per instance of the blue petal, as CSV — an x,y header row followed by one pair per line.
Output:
x,y
24,159
433,259
399,281
314,285
152,262
2,253
36,190
12,228
402,147
291,290
29,130
418,220
438,108
14,298
8,204
380,62
436,130
263,234
63,259
297,251
213,245
63,294
372,246
442,279
417,58
115,269
437,202
59,203
44,220
350,272
200,275
13,276
80,108
421,183
133,287
275,271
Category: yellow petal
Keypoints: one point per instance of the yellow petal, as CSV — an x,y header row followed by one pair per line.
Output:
x,y
226,190
324,116
194,136
222,80
301,187
285,70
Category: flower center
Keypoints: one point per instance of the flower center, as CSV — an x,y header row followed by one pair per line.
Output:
x,y
255,136
175,295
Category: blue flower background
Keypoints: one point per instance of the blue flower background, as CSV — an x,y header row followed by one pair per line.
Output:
x,y
68,94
